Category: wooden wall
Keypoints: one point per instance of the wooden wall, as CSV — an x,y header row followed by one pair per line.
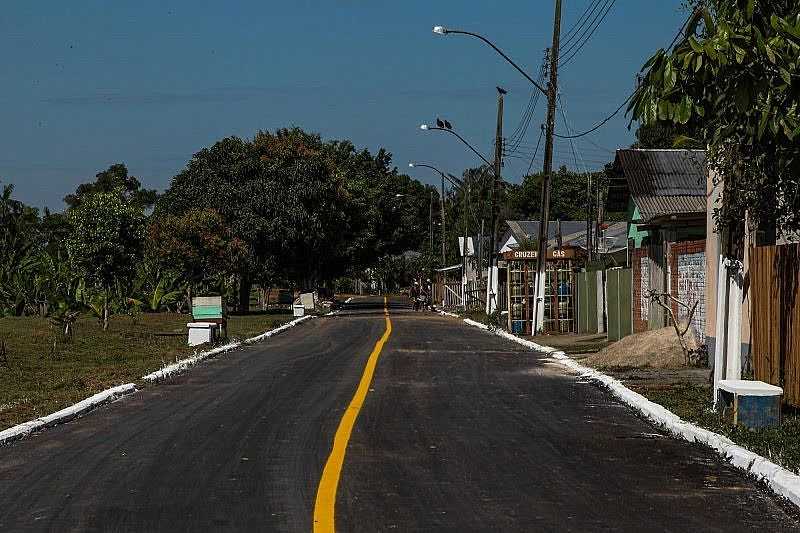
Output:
x,y
774,285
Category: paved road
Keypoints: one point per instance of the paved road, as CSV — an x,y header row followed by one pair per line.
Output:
x,y
460,431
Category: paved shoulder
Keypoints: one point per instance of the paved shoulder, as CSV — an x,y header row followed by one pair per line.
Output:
x,y
238,443
467,432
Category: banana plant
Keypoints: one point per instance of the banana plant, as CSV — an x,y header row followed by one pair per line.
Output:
x,y
162,297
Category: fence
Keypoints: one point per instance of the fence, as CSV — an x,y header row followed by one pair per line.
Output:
x,y
775,317
589,304
620,306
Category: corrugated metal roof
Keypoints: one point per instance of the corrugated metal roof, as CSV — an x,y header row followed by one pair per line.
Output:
x,y
612,239
529,229
665,182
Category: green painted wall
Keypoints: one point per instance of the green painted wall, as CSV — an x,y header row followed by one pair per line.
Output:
x,y
634,217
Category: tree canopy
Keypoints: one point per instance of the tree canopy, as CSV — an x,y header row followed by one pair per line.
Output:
x,y
306,209
115,178
733,79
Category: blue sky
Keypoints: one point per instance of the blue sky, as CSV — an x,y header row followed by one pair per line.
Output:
x,y
90,83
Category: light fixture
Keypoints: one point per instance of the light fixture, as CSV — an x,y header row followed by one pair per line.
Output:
x,y
439,30
423,127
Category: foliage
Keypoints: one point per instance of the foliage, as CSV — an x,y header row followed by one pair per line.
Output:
x,y
306,210
733,79
197,245
665,134
115,178
105,244
780,444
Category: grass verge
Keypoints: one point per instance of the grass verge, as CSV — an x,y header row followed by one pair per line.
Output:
x,y
692,402
45,373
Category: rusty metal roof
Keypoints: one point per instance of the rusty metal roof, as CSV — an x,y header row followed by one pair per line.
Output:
x,y
665,182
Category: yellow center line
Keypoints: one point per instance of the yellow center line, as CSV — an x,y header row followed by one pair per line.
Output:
x,y
325,504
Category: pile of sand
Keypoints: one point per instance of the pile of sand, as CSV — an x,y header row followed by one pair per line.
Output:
x,y
659,348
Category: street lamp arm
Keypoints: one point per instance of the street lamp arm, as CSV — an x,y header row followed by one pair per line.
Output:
x,y
496,49
452,179
468,145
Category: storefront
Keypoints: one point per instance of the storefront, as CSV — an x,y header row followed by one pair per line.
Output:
x,y
559,294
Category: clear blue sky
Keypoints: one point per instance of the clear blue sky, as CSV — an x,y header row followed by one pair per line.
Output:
x,y
148,83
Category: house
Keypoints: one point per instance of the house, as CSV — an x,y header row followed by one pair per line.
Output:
x,y
666,195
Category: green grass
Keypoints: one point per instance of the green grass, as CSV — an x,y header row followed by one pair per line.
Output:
x,y
780,445
46,373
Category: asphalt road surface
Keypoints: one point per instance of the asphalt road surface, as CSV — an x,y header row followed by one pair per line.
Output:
x,y
459,431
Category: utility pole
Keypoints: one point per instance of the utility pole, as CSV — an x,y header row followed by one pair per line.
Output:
x,y
552,92
430,227
498,165
589,215
444,241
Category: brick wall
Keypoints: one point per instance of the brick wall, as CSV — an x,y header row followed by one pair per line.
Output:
x,y
687,270
640,267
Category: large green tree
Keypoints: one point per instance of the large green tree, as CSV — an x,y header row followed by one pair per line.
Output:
x,y
734,79
308,210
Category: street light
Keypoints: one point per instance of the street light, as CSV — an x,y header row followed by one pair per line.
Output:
x,y
550,93
425,127
442,174
458,183
441,30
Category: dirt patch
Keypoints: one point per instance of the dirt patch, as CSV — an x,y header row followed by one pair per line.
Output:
x,y
659,348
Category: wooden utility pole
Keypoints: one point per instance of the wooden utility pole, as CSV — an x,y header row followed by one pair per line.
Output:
x,y
589,216
498,165
444,241
552,93
430,228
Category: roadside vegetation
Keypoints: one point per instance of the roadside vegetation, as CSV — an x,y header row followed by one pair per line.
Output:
x,y
100,293
692,402
43,372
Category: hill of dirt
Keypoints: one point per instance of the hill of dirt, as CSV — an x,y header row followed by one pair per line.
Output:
x,y
659,348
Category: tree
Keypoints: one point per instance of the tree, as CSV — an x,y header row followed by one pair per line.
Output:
x,y
734,78
196,244
568,197
106,241
307,210
115,178
20,243
665,134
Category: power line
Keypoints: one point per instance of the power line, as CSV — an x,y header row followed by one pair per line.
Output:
x,y
630,97
541,132
576,47
588,12
519,134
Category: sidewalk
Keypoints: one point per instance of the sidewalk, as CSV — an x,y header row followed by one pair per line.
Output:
x,y
686,391
574,344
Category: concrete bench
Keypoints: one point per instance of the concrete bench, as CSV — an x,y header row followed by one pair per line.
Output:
x,y
202,332
755,404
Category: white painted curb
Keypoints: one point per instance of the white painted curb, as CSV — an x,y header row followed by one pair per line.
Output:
x,y
183,364
780,480
109,395
66,414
